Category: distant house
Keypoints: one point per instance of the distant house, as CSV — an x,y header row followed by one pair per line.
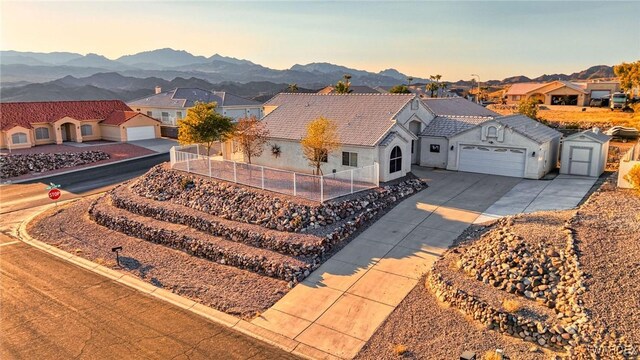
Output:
x,y
354,89
27,124
561,92
171,106
421,91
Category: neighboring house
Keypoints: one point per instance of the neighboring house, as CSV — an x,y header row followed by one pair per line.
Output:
x,y
354,89
561,92
512,145
422,91
171,106
26,124
372,128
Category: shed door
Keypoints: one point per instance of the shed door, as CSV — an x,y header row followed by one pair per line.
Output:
x,y
580,160
141,133
492,160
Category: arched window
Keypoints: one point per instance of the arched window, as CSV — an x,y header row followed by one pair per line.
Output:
x,y
395,160
19,138
86,130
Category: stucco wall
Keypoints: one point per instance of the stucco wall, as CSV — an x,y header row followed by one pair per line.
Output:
x,y
434,159
534,165
110,132
599,154
384,154
6,144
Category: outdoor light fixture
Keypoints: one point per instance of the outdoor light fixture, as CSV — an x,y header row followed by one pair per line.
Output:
x,y
451,147
533,154
116,250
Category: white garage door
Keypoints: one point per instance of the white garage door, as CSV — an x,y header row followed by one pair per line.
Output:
x,y
141,133
492,160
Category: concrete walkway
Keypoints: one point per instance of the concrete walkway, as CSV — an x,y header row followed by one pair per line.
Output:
x,y
562,193
341,304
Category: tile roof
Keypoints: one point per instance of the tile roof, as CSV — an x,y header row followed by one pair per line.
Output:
x,y
25,113
597,136
187,97
528,127
361,119
447,126
456,106
568,84
389,137
524,88
119,117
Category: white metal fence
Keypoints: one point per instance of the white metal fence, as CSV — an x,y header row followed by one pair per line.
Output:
x,y
193,159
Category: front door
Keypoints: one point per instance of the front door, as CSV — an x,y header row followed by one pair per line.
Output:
x,y
580,160
414,127
64,132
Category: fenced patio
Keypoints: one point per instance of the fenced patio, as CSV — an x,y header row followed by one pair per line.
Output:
x,y
193,159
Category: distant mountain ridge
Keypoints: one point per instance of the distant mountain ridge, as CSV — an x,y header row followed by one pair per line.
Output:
x,y
169,63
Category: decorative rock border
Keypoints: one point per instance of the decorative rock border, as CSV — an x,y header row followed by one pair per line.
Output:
x,y
201,248
20,164
238,203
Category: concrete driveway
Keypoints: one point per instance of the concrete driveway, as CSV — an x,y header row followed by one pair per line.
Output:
x,y
160,145
562,193
341,304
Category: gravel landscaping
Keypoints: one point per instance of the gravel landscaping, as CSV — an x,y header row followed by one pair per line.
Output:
x,y
226,288
114,151
565,282
15,165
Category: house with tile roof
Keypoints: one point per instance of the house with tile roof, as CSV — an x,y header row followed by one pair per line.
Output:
x,y
399,130
27,124
561,92
372,128
171,106
353,89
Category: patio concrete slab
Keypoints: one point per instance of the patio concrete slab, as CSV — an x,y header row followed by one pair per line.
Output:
x,y
363,252
382,287
330,341
335,274
355,316
281,323
307,302
411,216
450,219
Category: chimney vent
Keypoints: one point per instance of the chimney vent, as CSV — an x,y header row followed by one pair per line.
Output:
x,y
158,89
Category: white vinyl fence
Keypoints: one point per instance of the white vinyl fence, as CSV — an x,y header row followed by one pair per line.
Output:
x,y
193,159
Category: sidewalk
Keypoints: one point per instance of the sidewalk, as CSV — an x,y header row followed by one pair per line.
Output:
x,y
341,304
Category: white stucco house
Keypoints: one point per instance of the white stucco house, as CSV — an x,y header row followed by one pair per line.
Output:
x,y
372,128
513,145
171,106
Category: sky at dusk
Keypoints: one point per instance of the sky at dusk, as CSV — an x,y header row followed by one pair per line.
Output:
x,y
455,39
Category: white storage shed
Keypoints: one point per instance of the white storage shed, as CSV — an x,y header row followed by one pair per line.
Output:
x,y
585,153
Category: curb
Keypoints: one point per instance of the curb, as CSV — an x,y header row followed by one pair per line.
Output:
x,y
10,182
289,345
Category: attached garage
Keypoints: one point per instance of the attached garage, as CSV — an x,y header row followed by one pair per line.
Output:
x,y
141,133
129,126
503,161
514,145
585,153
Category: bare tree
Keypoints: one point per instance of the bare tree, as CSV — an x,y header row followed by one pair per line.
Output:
x,y
251,137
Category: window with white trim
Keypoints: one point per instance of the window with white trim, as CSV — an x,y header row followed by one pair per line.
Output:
x,y
86,130
395,160
178,115
42,133
165,117
349,159
19,138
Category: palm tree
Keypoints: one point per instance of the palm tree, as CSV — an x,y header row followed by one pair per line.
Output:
x,y
343,87
443,86
409,80
292,88
436,78
433,88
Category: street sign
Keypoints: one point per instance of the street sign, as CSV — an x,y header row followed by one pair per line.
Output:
x,y
54,194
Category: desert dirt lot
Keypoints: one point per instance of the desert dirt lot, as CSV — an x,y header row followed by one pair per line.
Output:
x,y
607,231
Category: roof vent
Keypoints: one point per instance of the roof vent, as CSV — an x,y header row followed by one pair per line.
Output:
x,y
158,89
596,130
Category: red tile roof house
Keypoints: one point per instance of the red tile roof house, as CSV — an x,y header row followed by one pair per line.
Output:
x,y
27,124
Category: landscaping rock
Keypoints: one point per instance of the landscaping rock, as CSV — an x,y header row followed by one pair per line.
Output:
x,y
21,164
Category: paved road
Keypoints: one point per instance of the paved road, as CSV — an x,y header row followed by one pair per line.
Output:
x,y
52,309
82,183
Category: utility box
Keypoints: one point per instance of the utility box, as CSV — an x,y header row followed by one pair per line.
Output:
x,y
585,153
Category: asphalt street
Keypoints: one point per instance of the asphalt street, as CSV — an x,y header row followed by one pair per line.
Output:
x,y
52,309
73,185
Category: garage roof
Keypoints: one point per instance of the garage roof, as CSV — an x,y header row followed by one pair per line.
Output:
x,y
447,126
457,107
529,128
121,117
